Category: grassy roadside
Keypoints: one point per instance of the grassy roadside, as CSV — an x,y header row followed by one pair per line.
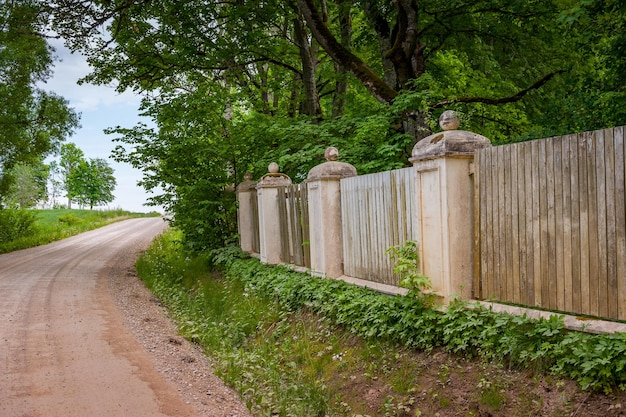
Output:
x,y
52,225
293,345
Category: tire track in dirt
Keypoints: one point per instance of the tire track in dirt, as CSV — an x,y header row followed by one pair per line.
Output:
x,y
65,349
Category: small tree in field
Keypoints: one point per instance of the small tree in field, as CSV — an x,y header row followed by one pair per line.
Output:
x,y
91,183
71,158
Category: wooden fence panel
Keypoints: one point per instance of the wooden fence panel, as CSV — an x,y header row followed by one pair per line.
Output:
x,y
552,223
256,239
378,211
293,210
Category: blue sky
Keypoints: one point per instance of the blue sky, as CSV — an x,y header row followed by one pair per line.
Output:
x,y
101,107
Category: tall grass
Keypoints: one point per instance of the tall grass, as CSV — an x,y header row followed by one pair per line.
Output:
x,y
52,225
295,345
273,358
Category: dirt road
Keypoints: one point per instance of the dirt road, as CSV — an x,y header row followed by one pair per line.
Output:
x,y
79,336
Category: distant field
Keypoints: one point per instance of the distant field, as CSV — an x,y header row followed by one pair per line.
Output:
x,y
58,224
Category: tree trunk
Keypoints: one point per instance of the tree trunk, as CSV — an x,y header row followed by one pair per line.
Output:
x,y
375,85
341,85
381,26
311,103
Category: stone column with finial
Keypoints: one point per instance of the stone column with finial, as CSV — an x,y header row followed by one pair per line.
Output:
x,y
325,230
442,163
245,213
269,215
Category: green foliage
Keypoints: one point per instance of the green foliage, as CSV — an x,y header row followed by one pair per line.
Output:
x,y
595,361
27,185
20,229
257,325
91,183
33,122
226,318
406,264
224,105
87,182
16,224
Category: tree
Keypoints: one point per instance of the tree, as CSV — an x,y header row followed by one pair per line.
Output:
x,y
232,86
71,158
55,182
33,122
28,185
91,183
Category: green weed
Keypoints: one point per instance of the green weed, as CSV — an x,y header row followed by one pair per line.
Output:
x,y
51,225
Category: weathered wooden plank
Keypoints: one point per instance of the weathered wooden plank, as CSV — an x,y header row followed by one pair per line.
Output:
x,y
549,279
384,219
486,262
256,239
566,255
620,218
306,236
584,193
370,231
501,281
346,225
515,235
542,290
521,223
489,271
493,218
285,255
601,202
530,203
594,256
477,248
536,220
396,226
575,224
529,174
559,276
611,224
506,173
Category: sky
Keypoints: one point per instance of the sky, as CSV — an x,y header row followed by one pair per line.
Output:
x,y
100,107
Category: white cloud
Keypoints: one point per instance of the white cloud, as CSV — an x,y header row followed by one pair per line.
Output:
x,y
69,68
101,107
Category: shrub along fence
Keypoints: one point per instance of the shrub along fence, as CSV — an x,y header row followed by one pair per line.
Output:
x,y
539,223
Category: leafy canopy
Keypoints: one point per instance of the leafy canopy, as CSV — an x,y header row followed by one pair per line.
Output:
x,y
33,122
232,86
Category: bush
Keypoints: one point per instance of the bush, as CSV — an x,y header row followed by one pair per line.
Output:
x,y
543,345
15,224
70,219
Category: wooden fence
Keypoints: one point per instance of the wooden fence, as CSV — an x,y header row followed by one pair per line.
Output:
x,y
378,211
551,223
254,207
293,209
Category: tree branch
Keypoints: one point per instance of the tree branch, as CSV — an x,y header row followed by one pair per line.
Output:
x,y
495,101
341,55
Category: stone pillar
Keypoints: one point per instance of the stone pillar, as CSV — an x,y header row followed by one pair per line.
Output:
x,y
442,163
245,212
269,217
325,230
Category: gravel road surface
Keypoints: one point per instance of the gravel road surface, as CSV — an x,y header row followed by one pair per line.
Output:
x,y
81,336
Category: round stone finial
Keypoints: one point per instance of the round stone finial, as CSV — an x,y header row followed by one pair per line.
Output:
x,y
247,176
273,168
449,120
331,153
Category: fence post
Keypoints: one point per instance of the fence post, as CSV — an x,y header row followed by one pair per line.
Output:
x,y
245,213
269,214
326,239
444,186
